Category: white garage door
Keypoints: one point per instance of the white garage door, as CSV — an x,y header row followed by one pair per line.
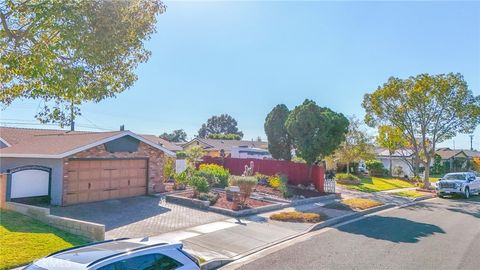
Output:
x,y
29,183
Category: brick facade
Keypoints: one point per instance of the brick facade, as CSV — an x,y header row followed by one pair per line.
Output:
x,y
156,159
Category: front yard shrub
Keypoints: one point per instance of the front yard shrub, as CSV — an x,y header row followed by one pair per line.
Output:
x,y
262,179
360,203
398,171
169,168
375,167
284,187
181,155
181,179
199,184
246,184
216,175
275,181
210,196
295,216
211,178
347,179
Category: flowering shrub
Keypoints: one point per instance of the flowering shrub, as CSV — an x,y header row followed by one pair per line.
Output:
x,y
216,175
275,181
262,179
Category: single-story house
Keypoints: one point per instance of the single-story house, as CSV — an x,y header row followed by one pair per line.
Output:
x,y
70,167
403,158
250,152
456,159
215,147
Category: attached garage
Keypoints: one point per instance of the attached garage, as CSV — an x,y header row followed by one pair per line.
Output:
x,y
79,166
28,182
91,180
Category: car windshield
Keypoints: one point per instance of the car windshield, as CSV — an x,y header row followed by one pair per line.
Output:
x,y
454,176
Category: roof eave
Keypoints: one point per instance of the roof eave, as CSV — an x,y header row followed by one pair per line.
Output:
x,y
88,146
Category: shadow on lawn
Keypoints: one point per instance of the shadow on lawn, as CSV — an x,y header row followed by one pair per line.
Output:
x,y
17,223
393,229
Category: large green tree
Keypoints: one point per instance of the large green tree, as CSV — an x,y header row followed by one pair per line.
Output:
x,y
279,142
68,52
316,131
429,109
178,135
357,145
221,124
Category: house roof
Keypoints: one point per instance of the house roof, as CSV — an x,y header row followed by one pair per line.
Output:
x,y
214,144
447,153
169,145
45,143
383,152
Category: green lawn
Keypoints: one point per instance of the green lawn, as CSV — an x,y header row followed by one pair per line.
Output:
x,y
409,193
374,184
23,239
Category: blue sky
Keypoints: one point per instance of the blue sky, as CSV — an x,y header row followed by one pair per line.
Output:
x,y
243,58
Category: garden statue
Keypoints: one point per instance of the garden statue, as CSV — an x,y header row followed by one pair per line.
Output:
x,y
248,170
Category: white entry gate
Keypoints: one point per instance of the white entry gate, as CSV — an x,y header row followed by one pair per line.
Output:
x,y
28,181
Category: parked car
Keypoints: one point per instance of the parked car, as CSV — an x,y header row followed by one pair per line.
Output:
x,y
463,183
120,254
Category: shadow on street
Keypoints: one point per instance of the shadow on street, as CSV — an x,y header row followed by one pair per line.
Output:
x,y
394,229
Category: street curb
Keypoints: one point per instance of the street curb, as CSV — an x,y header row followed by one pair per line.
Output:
x,y
340,219
426,197
215,264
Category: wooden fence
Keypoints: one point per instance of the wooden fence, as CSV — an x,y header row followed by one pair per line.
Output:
x,y
297,173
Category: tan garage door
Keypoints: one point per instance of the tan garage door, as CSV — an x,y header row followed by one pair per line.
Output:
x,y
97,180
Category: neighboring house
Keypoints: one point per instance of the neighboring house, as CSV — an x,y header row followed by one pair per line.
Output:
x,y
248,152
457,159
162,142
402,157
452,160
72,167
214,148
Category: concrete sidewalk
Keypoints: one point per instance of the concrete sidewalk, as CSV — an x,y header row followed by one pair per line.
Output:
x,y
390,191
232,237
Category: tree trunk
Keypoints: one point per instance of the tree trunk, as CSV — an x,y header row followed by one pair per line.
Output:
x,y
426,177
348,167
391,169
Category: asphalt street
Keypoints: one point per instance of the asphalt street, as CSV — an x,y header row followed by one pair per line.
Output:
x,y
434,234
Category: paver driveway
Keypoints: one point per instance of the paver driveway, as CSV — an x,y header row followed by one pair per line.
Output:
x,y
138,216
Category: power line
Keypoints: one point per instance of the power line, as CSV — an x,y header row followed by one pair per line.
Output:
x,y
100,128
51,124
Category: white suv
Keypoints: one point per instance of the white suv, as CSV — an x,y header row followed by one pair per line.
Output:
x,y
120,254
464,183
